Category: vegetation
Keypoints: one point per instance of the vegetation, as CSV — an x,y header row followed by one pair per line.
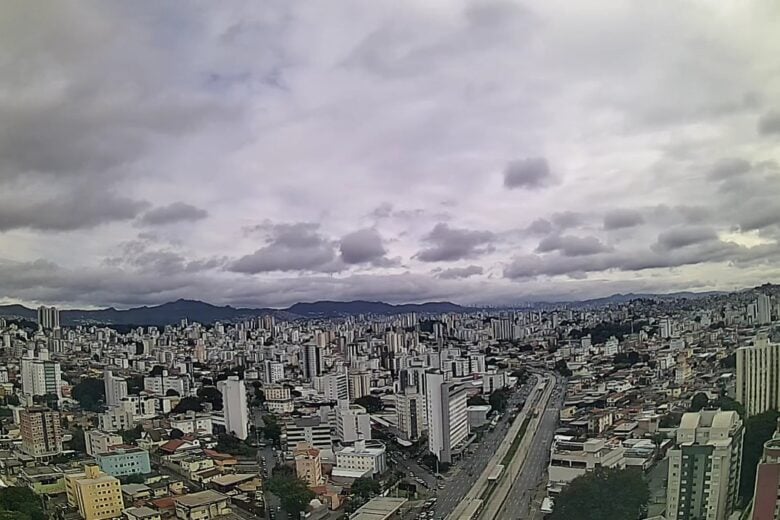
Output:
x,y
670,420
371,403
272,430
562,368
78,442
365,488
629,358
187,404
604,494
603,331
476,400
499,399
90,393
210,394
130,436
293,492
758,430
20,503
729,361
231,444
699,402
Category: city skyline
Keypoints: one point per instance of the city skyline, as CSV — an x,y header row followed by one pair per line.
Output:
x,y
262,155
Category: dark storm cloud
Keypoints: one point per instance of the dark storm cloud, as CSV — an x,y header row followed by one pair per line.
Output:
x,y
68,211
729,167
531,173
454,273
622,219
760,217
571,245
446,244
769,123
290,247
172,213
363,246
684,237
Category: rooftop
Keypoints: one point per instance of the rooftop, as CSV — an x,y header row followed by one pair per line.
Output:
x,y
379,508
201,498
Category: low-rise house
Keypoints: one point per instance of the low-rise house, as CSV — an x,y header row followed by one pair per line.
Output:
x,y
203,505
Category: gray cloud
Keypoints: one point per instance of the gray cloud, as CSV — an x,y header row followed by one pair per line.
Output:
x,y
290,247
454,273
571,245
622,219
531,173
540,226
684,236
769,123
363,246
173,213
730,167
448,244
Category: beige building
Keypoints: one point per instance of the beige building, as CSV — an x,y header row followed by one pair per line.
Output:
x,y
40,430
203,505
308,464
758,376
96,495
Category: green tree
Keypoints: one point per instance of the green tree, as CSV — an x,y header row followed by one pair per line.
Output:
x,y
12,400
499,398
272,430
670,420
371,403
90,393
562,368
476,400
78,442
130,436
758,429
728,404
20,503
603,494
211,395
187,404
699,402
171,393
365,488
293,492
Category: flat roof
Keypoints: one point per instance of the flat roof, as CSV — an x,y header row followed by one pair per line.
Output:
x,y
379,508
200,498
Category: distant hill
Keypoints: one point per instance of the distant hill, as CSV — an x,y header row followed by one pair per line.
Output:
x,y
625,298
196,311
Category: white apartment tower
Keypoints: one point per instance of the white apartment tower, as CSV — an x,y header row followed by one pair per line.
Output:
x,y
448,424
758,376
40,376
312,361
704,466
234,406
116,388
763,310
48,317
352,423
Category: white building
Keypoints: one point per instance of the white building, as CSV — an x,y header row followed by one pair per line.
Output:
x,y
116,388
365,456
571,458
159,385
40,376
704,466
352,423
333,386
359,384
234,406
100,442
411,414
273,372
48,317
312,362
311,430
758,384
446,410
278,399
763,310
192,422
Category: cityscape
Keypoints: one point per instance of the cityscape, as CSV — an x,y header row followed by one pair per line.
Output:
x,y
390,260
667,406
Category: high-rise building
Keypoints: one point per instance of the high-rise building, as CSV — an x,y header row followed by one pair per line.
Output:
x,y
48,317
447,414
40,429
704,466
116,388
352,423
234,406
758,376
766,504
410,413
96,495
359,384
334,386
40,376
273,372
312,361
763,310
308,464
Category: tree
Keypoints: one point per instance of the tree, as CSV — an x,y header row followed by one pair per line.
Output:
x,y
728,404
132,479
272,430
604,494
12,400
231,444
171,393
365,488
699,402
670,420
78,442
90,393
293,492
562,368
210,394
20,503
499,399
157,370
758,429
176,433
729,361
476,400
187,404
130,436
371,403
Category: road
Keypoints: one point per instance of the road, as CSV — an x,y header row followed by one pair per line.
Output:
x,y
519,500
466,472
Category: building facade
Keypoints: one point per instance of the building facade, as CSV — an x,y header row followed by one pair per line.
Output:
x,y
234,406
40,430
758,376
446,410
121,462
96,495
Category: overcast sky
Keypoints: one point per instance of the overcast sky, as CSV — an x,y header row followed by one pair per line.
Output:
x,y
263,153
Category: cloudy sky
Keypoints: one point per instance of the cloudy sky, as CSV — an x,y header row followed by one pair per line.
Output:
x,y
262,153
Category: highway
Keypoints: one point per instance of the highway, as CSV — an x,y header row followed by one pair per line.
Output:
x,y
519,501
468,470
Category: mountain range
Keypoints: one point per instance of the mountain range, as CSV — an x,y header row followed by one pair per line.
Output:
x,y
201,312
